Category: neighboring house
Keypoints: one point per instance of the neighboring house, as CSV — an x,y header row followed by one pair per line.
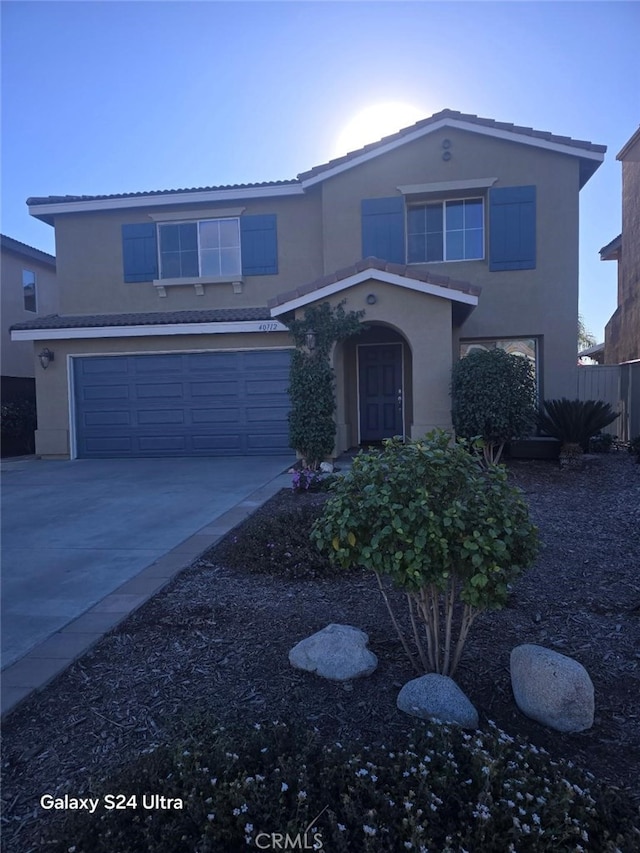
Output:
x,y
622,332
455,233
28,288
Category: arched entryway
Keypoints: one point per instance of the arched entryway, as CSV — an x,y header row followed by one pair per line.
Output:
x,y
378,384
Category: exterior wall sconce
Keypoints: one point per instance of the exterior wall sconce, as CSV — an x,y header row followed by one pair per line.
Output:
x,y
372,299
310,340
46,357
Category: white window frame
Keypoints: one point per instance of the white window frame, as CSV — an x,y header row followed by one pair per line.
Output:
x,y
33,310
443,202
233,276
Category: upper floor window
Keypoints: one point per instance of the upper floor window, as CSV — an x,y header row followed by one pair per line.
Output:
x,y
445,231
29,290
210,247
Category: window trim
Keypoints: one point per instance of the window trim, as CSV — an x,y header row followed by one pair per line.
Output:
x,y
33,310
424,202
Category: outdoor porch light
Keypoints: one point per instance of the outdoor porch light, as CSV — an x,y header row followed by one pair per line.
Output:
x,y
46,357
310,339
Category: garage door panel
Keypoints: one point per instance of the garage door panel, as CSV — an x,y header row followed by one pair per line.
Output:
x,y
182,404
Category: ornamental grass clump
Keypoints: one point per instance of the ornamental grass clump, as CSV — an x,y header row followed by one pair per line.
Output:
x,y
449,533
434,788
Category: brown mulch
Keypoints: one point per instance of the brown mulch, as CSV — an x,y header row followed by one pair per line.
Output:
x,y
217,639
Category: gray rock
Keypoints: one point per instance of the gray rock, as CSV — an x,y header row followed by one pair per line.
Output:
x,y
338,652
326,467
437,697
551,688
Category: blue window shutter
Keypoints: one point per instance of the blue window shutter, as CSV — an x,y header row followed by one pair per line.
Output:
x,y
259,244
140,252
512,228
383,229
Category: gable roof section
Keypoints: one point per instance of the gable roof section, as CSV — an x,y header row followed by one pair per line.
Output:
x,y
626,149
589,154
378,270
25,251
611,252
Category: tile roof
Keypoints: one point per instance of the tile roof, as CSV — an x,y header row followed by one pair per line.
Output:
x,y
462,117
16,246
151,318
375,264
63,199
452,115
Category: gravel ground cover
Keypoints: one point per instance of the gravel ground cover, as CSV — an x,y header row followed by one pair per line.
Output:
x,y
217,640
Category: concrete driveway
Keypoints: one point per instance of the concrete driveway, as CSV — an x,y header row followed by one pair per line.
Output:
x,y
91,539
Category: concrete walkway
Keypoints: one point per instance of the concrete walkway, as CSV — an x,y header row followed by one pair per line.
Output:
x,y
86,542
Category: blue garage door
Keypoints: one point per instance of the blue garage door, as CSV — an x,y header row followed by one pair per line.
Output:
x,y
182,404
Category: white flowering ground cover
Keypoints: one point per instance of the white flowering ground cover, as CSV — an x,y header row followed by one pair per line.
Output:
x,y
142,710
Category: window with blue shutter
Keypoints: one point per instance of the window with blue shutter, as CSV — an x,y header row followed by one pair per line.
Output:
x,y
140,252
259,244
512,228
383,229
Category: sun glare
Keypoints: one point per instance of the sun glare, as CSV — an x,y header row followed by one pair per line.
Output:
x,y
374,122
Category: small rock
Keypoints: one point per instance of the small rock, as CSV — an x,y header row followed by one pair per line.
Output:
x,y
338,652
551,688
437,697
326,467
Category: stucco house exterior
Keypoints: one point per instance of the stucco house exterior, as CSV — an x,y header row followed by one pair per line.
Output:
x,y
622,332
28,290
454,233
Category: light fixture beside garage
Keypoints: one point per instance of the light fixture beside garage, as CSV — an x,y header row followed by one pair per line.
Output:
x,y
310,339
46,357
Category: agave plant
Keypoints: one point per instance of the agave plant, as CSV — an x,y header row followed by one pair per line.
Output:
x,y
573,422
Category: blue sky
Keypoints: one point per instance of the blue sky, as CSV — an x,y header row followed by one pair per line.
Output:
x,y
129,96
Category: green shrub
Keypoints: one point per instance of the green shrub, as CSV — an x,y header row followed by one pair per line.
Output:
x,y
426,514
493,394
634,447
601,442
573,422
435,789
312,427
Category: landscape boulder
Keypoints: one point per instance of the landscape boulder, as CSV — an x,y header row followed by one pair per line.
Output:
x,y
437,697
551,688
338,652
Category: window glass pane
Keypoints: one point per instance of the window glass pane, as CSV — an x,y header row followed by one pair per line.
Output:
x,y
434,218
473,243
210,262
169,238
189,264
455,245
473,213
455,216
188,236
416,220
170,265
209,235
230,261
29,290
416,248
434,247
229,233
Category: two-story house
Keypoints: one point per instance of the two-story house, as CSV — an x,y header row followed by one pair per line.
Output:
x,y
457,232
622,332
28,290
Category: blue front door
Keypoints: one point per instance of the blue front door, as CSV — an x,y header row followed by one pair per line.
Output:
x,y
380,383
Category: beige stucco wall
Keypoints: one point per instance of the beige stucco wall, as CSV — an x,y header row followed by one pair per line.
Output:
x,y
17,356
53,438
89,254
526,303
425,323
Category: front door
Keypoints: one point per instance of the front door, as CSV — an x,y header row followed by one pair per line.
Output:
x,y
380,383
